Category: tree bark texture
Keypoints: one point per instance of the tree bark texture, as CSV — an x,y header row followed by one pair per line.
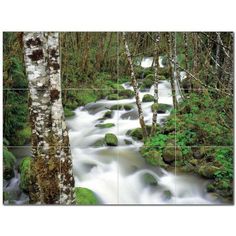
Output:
x,y
53,179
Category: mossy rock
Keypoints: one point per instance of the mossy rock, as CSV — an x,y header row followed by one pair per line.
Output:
x,y
111,139
117,87
9,161
154,158
85,196
114,97
167,195
99,143
165,71
105,126
137,133
25,173
126,93
149,179
128,142
147,82
108,115
68,112
148,98
126,107
208,171
198,152
171,152
161,108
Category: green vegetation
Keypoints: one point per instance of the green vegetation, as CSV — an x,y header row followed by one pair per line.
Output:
x,y
105,126
84,196
147,98
8,164
111,139
25,173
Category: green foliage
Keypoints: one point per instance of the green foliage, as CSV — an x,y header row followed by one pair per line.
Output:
x,y
25,173
225,156
84,196
9,161
68,112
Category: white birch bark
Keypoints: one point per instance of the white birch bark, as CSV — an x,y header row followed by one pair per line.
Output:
x,y
52,165
135,87
156,81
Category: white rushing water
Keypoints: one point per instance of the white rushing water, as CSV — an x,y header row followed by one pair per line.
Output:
x,y
116,174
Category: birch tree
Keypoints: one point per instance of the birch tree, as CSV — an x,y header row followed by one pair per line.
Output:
x,y
171,60
52,181
135,87
156,81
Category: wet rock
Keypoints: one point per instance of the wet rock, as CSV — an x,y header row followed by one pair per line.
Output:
x,y
167,195
9,161
114,97
171,152
149,179
126,93
99,143
105,126
108,114
131,115
147,98
126,107
208,170
85,196
128,142
161,108
111,139
136,134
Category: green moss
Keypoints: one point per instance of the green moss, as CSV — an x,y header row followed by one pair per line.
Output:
x,y
105,126
84,196
149,179
24,136
161,108
126,93
208,170
108,114
136,134
68,112
111,139
9,161
147,98
154,158
99,143
126,107
114,97
25,173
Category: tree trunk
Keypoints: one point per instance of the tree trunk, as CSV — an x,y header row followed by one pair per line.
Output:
x,y
53,179
135,87
172,82
156,81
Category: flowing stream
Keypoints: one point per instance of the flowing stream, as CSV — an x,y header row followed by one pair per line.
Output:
x,y
116,174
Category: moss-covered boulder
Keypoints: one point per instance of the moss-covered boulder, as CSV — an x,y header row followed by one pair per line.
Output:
x,y
171,152
149,179
208,170
198,152
111,139
99,143
137,133
108,115
84,196
153,157
126,107
161,108
9,161
128,142
114,97
167,195
148,98
147,82
105,126
126,93
25,173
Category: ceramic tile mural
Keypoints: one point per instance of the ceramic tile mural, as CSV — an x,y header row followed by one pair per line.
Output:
x,y
137,118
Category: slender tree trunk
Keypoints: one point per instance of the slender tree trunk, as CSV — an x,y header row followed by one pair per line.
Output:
x,y
156,81
135,86
53,180
172,82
